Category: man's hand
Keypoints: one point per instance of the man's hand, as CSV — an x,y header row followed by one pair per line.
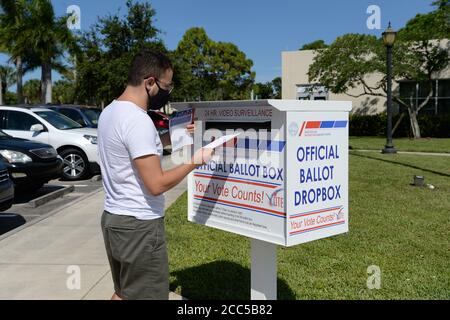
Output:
x,y
190,128
202,156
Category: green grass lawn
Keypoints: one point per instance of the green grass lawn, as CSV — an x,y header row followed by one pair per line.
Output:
x,y
404,144
403,229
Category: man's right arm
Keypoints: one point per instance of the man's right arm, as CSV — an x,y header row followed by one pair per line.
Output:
x,y
158,181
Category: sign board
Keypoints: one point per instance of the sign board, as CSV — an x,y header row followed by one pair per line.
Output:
x,y
177,128
317,180
285,179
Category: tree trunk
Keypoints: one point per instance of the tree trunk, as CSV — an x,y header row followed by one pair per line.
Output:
x,y
1,90
397,124
75,80
46,83
414,112
19,75
414,124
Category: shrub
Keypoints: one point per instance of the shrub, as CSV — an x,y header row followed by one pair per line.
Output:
x,y
375,125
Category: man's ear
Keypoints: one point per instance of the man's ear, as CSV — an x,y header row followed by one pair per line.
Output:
x,y
148,83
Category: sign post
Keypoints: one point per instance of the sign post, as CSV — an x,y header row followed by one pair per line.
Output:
x,y
283,182
264,270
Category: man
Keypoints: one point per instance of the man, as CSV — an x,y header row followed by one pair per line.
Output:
x,y
134,183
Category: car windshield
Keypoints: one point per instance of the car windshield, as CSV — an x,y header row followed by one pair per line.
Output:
x,y
92,115
58,120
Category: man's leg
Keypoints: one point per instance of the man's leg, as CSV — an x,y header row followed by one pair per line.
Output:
x,y
114,264
116,297
146,277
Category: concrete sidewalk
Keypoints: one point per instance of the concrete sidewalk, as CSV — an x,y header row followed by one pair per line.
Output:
x,y
41,261
435,154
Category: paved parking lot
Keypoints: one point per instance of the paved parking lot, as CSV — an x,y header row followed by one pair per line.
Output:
x,y
23,211
40,259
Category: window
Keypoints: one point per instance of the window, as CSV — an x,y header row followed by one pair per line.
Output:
x,y
2,118
20,121
443,104
58,120
415,93
312,92
92,115
74,115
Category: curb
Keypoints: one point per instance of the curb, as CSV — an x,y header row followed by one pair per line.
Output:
x,y
49,197
48,215
96,178
176,296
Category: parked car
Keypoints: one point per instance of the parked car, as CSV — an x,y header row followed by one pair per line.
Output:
x,y
30,164
6,188
160,120
76,145
86,116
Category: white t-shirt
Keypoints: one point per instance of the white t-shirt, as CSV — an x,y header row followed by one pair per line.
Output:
x,y
126,132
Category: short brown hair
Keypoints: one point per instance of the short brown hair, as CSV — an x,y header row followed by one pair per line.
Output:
x,y
146,64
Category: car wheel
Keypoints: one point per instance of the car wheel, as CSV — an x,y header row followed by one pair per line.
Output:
x,y
75,166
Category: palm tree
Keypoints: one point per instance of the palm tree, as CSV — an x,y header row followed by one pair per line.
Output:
x,y
49,39
12,37
7,78
32,91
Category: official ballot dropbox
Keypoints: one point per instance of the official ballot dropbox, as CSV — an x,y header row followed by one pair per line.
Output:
x,y
282,181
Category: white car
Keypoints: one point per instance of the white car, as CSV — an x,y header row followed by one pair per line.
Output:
x,y
75,144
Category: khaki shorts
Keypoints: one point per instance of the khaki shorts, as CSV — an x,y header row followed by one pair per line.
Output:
x,y
137,255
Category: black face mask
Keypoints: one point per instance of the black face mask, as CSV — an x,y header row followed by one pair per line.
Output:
x,y
159,100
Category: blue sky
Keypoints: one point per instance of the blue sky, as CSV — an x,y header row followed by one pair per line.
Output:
x,y
260,28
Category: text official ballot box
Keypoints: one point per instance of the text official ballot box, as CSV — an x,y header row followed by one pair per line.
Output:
x,y
283,181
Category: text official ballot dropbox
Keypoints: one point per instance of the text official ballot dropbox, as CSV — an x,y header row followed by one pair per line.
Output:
x,y
282,181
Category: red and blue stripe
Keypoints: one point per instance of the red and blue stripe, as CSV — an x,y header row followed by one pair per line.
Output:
x,y
340,124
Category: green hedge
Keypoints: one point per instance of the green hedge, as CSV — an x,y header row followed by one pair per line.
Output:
x,y
375,125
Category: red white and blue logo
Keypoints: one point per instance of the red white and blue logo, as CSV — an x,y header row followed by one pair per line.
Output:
x,y
319,125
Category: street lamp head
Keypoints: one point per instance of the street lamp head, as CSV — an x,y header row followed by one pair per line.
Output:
x,y
389,36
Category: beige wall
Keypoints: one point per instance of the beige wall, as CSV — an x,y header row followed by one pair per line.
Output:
x,y
295,66
444,74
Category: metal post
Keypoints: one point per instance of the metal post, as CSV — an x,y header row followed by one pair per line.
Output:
x,y
1,89
264,270
436,97
389,148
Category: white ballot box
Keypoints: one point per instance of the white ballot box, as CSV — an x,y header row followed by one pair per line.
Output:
x,y
283,180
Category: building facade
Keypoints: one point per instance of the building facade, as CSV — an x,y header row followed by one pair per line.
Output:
x,y
296,85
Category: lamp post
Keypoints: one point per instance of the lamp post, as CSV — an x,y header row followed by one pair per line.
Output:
x,y
389,39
